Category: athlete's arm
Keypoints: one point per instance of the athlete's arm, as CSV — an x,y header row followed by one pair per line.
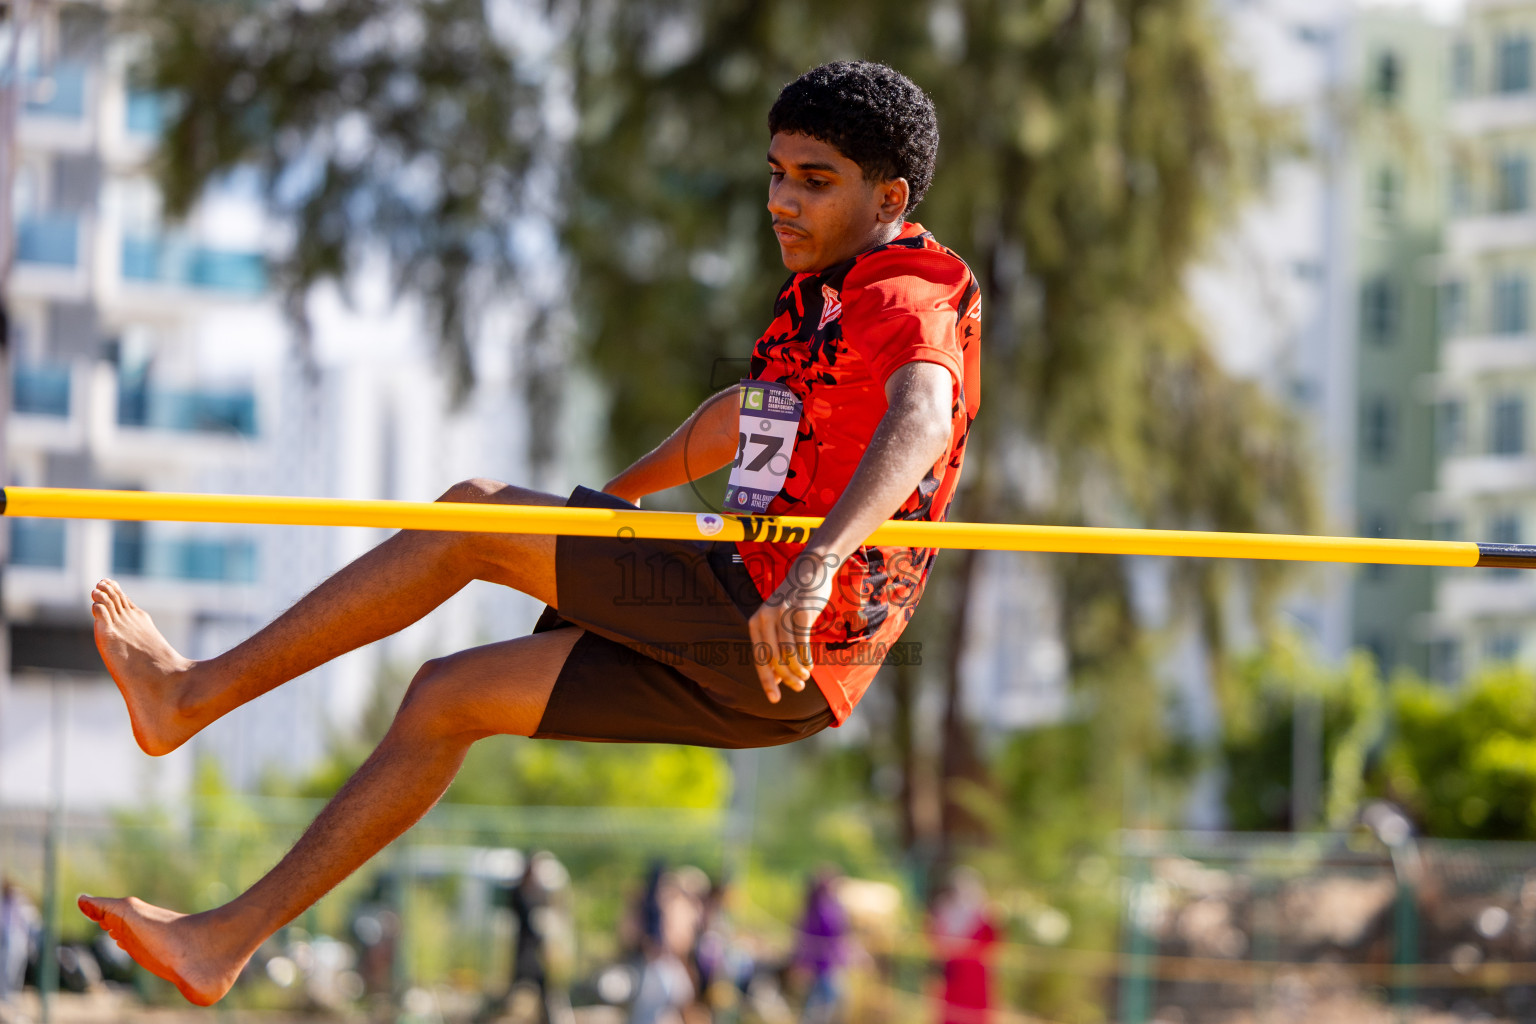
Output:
x,y
912,435
705,442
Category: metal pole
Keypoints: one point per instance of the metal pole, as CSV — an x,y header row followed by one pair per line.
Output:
x,y
1137,982
1306,759
48,961
1405,924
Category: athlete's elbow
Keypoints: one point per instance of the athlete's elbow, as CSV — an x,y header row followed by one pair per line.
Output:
x,y
938,445
935,430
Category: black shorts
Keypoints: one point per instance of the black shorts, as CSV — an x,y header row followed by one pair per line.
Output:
x,y
666,657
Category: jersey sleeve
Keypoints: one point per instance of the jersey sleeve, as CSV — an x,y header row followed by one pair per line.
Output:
x,y
901,306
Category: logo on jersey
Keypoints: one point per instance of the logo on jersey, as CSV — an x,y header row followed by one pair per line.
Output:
x,y
831,306
974,313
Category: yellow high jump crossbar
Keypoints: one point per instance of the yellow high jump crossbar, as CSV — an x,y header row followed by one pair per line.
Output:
x,y
65,503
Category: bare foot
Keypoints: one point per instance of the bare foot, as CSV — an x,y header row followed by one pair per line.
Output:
x,y
149,673
191,951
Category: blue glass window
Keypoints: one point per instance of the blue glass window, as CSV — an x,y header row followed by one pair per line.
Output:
x,y
1452,307
1511,311
1445,661
1450,427
1512,187
53,240
1387,79
38,543
1378,429
40,390
1512,72
1506,426
58,92
1502,646
1378,311
158,261
135,552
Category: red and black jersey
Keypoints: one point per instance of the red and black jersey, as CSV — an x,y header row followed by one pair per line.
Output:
x,y
836,336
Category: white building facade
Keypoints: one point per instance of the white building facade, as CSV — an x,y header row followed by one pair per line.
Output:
x,y
1486,384
150,355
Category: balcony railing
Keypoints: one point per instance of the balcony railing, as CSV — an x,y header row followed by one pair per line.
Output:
x,y
40,390
1491,232
1465,475
226,412
1481,113
58,93
53,240
135,553
157,261
38,543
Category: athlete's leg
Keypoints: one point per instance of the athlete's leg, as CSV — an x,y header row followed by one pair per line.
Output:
x,y
170,697
500,688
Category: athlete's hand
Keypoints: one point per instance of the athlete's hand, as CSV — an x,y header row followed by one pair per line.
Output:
x,y
784,622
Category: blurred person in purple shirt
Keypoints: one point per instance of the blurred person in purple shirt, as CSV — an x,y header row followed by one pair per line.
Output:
x,y
823,949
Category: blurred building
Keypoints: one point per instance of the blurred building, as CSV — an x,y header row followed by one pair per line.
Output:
x,y
1395,191
1276,295
1324,291
151,355
117,382
1486,484
1327,291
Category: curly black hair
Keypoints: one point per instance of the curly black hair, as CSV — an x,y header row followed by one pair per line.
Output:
x,y
871,114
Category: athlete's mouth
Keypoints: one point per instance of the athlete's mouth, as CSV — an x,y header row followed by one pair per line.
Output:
x,y
788,235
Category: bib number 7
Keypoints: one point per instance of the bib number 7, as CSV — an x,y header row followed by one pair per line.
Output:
x,y
765,441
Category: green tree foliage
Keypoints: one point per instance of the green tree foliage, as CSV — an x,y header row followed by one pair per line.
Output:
x,y
1463,761
401,128
583,775
518,772
1258,746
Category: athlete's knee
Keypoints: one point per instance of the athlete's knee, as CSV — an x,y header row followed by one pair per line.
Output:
x,y
431,707
474,489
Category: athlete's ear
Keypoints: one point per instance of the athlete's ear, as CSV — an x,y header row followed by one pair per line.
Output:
x,y
893,200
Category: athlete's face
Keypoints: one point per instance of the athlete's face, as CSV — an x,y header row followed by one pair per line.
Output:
x,y
823,209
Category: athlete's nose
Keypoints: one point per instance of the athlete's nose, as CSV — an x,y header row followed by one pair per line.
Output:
x,y
780,204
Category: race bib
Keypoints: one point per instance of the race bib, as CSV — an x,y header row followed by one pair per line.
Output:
x,y
765,439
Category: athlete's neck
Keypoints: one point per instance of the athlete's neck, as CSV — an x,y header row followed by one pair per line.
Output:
x,y
883,234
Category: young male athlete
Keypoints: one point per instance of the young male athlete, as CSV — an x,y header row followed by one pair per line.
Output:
x,y
874,345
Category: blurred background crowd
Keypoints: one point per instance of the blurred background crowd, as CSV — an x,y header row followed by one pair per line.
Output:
x,y
1256,265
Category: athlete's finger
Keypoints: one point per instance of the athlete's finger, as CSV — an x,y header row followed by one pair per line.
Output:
x,y
773,671
795,625
785,663
782,652
804,651
797,663
765,674
790,673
